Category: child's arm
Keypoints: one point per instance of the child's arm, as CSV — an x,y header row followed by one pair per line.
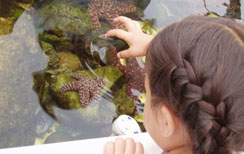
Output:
x,y
121,146
138,41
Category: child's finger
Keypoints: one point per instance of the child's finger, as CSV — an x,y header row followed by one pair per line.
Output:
x,y
130,146
129,24
108,148
118,33
139,148
124,54
119,145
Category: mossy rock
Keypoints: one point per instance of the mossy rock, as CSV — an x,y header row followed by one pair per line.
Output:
x,y
70,99
60,61
70,59
48,50
67,17
13,8
7,25
124,104
52,38
46,47
57,39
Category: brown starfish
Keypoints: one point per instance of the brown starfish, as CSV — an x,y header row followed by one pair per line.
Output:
x,y
89,89
108,9
134,74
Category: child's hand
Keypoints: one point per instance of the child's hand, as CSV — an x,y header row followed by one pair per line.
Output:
x,y
138,41
121,146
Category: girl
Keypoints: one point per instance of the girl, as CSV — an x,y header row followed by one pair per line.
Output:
x,y
194,86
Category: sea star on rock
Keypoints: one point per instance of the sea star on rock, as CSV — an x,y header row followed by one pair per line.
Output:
x,y
108,9
134,74
89,89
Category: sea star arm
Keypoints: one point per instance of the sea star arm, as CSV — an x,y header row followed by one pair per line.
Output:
x,y
110,18
70,86
79,77
95,93
94,16
123,8
96,96
84,96
116,61
129,92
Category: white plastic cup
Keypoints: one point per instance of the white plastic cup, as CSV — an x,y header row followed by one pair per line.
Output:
x,y
125,125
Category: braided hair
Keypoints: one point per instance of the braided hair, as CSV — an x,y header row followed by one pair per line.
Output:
x,y
197,66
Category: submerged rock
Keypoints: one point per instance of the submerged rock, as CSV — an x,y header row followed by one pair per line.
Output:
x,y
48,49
57,38
60,62
10,11
71,60
14,7
20,55
124,105
7,25
67,17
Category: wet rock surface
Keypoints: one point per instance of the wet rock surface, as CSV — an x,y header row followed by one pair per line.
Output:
x,y
18,59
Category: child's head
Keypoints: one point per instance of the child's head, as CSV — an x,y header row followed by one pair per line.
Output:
x,y
195,86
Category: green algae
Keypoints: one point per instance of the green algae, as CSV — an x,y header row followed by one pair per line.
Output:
x,y
10,11
147,28
139,118
212,14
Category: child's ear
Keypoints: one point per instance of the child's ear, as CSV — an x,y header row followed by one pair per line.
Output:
x,y
167,121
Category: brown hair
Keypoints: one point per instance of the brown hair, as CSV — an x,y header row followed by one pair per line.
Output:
x,y
196,66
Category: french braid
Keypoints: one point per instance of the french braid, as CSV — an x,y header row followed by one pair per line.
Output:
x,y
209,118
197,66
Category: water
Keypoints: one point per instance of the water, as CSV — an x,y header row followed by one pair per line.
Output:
x,y
43,42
